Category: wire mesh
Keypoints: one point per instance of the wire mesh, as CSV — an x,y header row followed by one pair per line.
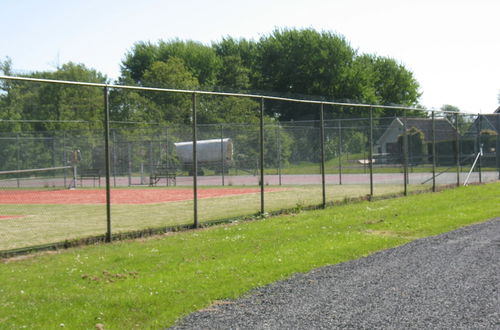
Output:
x,y
60,129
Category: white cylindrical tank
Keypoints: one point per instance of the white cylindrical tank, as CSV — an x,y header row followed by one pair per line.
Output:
x,y
208,151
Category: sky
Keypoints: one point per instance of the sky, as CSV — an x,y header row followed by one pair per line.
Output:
x,y
451,46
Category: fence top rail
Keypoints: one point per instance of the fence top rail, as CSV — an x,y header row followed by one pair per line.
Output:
x,y
198,92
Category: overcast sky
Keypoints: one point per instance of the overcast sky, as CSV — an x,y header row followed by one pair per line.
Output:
x,y
451,46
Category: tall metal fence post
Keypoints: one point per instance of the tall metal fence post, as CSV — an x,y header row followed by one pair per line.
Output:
x,y
278,148
54,157
480,146
497,147
261,139
433,152
195,162
64,156
167,148
18,159
114,158
150,159
405,153
370,153
322,146
107,164
129,156
222,159
457,147
340,151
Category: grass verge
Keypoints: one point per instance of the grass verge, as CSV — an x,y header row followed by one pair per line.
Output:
x,y
151,283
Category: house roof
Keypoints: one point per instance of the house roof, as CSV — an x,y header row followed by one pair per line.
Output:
x,y
444,130
497,110
489,121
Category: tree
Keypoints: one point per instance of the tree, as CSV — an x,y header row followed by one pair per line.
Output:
x,y
288,62
200,60
238,71
307,62
173,107
46,103
387,82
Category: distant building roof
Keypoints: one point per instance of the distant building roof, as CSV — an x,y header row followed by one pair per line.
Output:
x,y
489,121
497,110
444,130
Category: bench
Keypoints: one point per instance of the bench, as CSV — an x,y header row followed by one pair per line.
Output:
x,y
93,174
163,172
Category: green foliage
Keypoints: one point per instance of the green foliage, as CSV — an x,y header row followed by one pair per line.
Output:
x,y
391,82
48,103
288,62
199,59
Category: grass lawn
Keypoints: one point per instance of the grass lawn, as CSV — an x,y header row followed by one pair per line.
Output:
x,y
151,283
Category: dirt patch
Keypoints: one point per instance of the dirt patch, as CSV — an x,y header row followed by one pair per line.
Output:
x,y
118,196
389,233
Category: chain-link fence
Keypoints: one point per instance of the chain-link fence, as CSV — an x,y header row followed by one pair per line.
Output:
x,y
87,175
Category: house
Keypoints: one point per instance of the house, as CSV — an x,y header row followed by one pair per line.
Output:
x,y
388,143
489,122
484,132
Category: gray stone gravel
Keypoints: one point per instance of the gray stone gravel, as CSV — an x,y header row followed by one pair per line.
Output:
x,y
451,281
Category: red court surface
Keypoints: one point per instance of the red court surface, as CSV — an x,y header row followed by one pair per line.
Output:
x,y
118,196
6,217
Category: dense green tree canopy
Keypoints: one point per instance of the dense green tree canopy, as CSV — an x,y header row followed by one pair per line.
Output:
x,y
287,62
46,103
199,59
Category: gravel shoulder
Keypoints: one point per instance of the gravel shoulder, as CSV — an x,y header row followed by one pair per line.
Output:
x,y
450,281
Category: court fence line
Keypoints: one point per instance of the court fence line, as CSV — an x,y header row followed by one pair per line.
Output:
x,y
369,160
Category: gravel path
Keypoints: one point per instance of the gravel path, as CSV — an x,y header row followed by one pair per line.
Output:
x,y
451,281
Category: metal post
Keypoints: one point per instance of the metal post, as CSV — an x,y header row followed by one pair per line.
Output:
x,y
64,156
405,154
497,147
129,152
480,146
340,152
142,173
261,138
114,158
457,147
107,163
278,152
433,152
322,146
222,158
18,158
167,149
74,176
370,153
54,154
151,160
195,162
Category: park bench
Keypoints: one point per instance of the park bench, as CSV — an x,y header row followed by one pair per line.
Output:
x,y
93,174
163,172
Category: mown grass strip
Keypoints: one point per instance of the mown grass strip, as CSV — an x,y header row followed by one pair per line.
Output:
x,y
151,283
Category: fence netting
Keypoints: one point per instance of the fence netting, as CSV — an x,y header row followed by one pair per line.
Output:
x,y
60,158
